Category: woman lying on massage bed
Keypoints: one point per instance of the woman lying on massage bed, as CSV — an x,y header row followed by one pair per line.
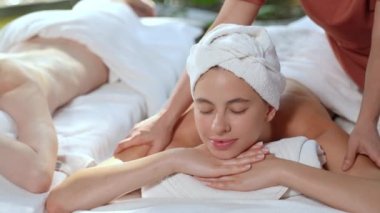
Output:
x,y
240,99
36,77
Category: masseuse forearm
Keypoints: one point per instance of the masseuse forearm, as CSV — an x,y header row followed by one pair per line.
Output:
x,y
180,100
236,12
371,96
233,11
344,192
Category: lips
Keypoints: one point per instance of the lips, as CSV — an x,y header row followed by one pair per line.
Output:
x,y
222,144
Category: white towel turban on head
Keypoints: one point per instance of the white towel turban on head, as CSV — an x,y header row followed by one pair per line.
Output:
x,y
246,51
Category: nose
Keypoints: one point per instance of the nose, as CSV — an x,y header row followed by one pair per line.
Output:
x,y
220,124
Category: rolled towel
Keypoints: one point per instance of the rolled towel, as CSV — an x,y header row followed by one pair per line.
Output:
x,y
246,51
298,149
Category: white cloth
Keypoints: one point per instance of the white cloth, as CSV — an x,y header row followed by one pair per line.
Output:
x,y
298,149
90,126
246,51
295,204
138,52
146,58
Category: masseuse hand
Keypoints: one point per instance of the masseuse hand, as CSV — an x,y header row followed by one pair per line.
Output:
x,y
142,7
365,140
147,137
201,163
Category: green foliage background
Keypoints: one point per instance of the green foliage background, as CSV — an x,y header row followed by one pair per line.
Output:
x,y
272,9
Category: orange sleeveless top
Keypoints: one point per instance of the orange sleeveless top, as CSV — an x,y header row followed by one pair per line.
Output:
x,y
348,26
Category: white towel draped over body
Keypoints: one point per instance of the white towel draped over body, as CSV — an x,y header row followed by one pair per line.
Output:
x,y
298,149
141,56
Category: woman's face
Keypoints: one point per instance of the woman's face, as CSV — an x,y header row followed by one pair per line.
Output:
x,y
229,115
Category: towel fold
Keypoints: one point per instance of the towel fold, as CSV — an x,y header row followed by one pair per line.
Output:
x,y
246,51
298,149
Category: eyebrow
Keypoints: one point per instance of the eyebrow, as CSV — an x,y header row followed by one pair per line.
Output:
x,y
232,101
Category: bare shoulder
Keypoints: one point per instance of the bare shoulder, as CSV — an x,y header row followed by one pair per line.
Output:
x,y
300,113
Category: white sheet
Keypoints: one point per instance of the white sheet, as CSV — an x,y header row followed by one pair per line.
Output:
x,y
297,204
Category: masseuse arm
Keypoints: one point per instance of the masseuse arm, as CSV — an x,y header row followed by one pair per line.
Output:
x,y
150,132
365,138
232,11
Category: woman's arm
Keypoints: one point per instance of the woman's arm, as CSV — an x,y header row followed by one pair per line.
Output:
x,y
348,193
92,187
365,138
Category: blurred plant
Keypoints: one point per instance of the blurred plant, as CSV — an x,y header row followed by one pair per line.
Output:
x,y
203,4
271,10
280,9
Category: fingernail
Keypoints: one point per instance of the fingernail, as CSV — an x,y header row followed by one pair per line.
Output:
x,y
265,150
258,144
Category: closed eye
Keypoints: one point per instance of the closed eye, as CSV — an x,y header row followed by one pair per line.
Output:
x,y
238,111
205,111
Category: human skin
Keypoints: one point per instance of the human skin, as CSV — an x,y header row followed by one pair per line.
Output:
x,y
217,117
37,77
93,187
221,120
364,139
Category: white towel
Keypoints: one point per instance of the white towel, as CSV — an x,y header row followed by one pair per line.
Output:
x,y
147,55
247,52
149,59
298,149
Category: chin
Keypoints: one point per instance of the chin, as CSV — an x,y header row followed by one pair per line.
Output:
x,y
223,155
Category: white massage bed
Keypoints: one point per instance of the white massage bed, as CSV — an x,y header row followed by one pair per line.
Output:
x,y
90,126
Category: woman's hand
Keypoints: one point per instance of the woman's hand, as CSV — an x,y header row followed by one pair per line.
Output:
x,y
147,137
201,163
265,173
365,140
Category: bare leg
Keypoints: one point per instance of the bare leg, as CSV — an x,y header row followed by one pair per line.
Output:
x,y
36,78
